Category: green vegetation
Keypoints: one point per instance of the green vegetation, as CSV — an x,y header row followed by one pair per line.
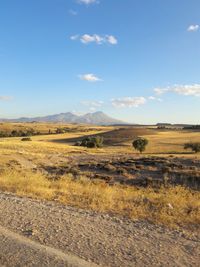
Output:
x,y
91,142
195,147
140,144
192,127
19,133
26,139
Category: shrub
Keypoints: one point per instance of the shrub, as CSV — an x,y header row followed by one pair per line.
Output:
x,y
193,146
60,131
4,134
91,142
26,139
140,144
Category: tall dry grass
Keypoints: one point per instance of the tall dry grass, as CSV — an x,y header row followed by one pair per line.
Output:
x,y
175,206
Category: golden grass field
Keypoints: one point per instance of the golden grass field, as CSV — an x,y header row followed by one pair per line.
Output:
x,y
20,174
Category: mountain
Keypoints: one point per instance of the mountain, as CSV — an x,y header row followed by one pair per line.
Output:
x,y
98,118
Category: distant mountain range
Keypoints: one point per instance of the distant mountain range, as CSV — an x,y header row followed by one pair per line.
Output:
x,y
98,118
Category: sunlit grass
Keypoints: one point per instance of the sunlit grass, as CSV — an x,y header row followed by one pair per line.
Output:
x,y
172,206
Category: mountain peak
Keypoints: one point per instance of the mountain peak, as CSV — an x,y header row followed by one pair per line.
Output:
x,y
98,118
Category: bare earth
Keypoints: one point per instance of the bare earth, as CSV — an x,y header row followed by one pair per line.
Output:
x,y
99,238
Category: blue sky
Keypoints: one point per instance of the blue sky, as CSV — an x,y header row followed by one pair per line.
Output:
x,y
136,60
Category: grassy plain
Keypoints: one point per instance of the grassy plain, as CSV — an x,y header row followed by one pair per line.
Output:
x,y
24,170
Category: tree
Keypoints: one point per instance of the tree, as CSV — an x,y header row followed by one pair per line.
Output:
x,y
91,142
193,146
140,144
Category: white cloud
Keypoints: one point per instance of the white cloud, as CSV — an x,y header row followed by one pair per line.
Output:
x,y
128,102
187,90
153,98
74,37
88,2
111,39
90,77
94,104
73,12
86,38
193,28
5,98
95,38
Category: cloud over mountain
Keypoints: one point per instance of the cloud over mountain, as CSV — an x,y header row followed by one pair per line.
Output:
x,y
128,102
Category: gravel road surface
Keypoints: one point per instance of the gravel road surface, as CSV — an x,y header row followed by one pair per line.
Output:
x,y
41,233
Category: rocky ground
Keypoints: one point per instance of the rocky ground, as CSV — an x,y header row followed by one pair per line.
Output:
x,y
95,238
138,171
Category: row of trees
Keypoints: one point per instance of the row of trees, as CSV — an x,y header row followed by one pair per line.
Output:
x,y
19,133
32,132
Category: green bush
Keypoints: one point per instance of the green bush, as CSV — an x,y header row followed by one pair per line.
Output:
x,y
91,142
193,146
60,130
140,144
26,139
4,134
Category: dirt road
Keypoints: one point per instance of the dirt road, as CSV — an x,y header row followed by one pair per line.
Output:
x,y
17,250
35,233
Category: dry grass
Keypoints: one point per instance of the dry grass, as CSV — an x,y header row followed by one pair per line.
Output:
x,y
45,127
170,206
172,142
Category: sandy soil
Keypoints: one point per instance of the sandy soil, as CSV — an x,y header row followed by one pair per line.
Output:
x,y
97,238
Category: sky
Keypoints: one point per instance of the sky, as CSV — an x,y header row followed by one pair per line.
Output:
x,y
135,60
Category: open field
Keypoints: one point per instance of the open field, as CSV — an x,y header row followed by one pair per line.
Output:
x,y
161,186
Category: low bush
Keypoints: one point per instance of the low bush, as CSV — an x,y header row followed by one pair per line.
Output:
x,y
91,142
26,139
195,147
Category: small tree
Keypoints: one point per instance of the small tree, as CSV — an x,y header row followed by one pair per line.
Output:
x,y
140,144
193,146
91,142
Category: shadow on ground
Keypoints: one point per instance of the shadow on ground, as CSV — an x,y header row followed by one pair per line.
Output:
x,y
114,137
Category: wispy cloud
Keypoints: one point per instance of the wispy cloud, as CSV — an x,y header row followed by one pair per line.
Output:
x,y
95,104
90,77
92,105
128,102
111,39
74,37
73,12
95,38
187,90
88,2
5,98
154,98
193,28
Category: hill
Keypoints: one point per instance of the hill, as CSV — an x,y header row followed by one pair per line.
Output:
x,y
97,118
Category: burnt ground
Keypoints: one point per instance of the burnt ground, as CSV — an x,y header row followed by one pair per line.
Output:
x,y
132,171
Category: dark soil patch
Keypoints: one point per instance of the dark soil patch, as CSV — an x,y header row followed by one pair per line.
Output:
x,y
151,171
114,137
